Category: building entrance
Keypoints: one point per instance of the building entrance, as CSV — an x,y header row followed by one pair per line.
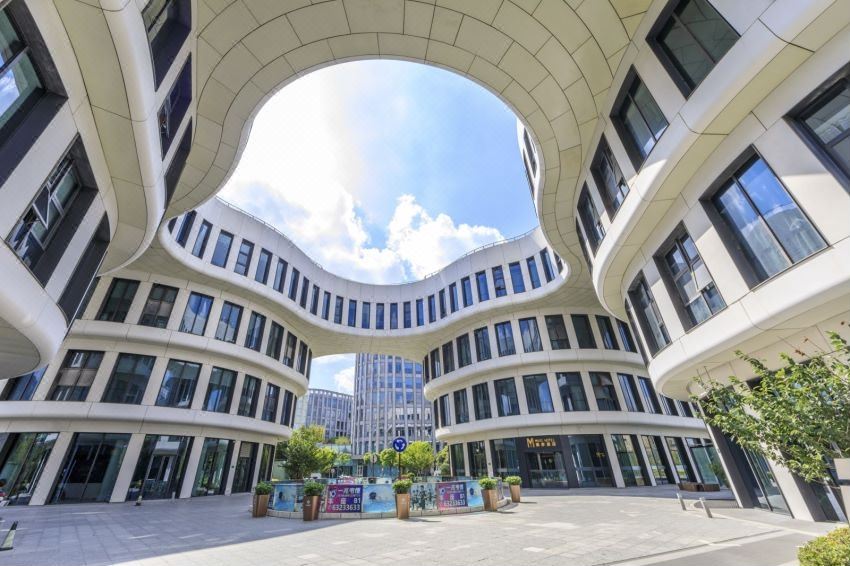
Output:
x,y
546,469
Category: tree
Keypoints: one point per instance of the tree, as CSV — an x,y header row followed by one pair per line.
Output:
x,y
388,457
797,415
325,459
418,458
302,452
442,462
341,440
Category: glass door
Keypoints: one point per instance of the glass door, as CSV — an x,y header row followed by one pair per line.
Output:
x,y
244,467
160,468
591,460
212,468
768,494
91,468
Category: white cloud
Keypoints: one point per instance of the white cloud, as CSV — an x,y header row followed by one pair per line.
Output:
x,y
344,380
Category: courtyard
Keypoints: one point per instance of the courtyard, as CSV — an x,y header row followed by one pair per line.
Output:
x,y
639,526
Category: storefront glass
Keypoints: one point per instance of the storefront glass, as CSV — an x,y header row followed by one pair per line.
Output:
x,y
629,459
90,468
23,456
591,460
654,454
457,460
477,459
244,467
505,462
160,468
212,468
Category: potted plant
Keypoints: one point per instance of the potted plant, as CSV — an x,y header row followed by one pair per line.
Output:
x,y
402,498
262,491
312,496
488,492
515,482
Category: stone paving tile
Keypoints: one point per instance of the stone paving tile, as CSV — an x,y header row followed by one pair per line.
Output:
x,y
596,528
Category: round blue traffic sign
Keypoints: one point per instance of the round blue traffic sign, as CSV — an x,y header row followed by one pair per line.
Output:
x,y
400,444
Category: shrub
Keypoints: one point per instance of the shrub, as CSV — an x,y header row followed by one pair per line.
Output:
x,y
402,486
830,550
313,488
513,480
487,483
263,488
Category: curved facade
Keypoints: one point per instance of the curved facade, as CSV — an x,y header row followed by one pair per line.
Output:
x,y
687,159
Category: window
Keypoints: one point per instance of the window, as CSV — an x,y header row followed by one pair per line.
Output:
x,y
196,314
482,344
825,122
263,266
767,224
220,390
305,289
690,40
201,239
379,316
420,310
326,305
19,72
499,281
286,415
406,314
591,221
76,375
249,397
464,353
532,272
435,363
118,300
584,333
365,315
303,355
649,395
178,384
505,339
608,177
687,273
606,331
448,357
129,379
548,270
228,323
222,249
630,393
393,316
453,302
572,392
669,406
443,415
481,401
461,407
352,312
530,335
174,106
648,316
507,403
275,342
466,291
185,228
604,391
442,296
537,394
22,388
280,275
481,284
293,284
289,353
432,309
557,332
167,24
338,302
157,309
254,336
638,119
626,336
270,402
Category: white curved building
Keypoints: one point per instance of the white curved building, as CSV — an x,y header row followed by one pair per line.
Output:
x,y
688,160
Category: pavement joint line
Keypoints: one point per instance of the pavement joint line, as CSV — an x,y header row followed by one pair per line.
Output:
x,y
784,528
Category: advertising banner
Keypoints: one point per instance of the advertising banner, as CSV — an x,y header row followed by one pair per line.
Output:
x,y
474,497
451,495
378,498
287,497
423,496
344,498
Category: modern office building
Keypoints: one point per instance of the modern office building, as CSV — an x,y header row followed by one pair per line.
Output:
x,y
330,410
688,161
388,402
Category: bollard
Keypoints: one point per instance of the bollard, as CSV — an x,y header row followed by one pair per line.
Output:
x,y
705,507
139,500
10,538
681,501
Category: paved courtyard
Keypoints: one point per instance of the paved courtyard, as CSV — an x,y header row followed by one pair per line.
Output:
x,y
583,527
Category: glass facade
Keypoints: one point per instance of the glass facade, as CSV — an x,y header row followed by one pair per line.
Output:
x,y
178,384
628,456
481,401
590,459
505,339
604,391
537,394
211,476
118,300
557,330
572,392
530,335
196,314
24,457
507,403
160,468
129,379
639,119
91,467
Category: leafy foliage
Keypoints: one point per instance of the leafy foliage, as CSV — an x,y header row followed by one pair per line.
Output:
x,y
513,480
796,415
442,462
830,550
303,454
341,440
418,458
263,488
487,483
402,486
312,488
388,457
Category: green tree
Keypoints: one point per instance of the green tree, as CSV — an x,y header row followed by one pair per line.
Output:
x,y
388,457
442,461
341,440
418,458
325,459
796,415
302,452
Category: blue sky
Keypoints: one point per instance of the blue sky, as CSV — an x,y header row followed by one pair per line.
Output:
x,y
383,171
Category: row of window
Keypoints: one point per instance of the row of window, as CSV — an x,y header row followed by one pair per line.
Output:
x,y
407,314
160,302
130,378
637,393
436,364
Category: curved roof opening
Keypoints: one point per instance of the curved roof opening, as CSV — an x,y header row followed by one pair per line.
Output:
x,y
385,171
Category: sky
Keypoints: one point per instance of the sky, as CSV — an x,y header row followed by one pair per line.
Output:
x,y
383,172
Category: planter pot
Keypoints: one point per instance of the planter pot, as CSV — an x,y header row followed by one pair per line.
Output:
x,y
310,507
515,493
491,499
260,506
402,505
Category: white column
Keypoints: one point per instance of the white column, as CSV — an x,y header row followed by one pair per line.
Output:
x,y
489,456
53,467
192,467
228,488
615,462
128,466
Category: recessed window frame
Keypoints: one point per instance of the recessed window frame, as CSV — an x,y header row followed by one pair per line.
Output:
x,y
627,96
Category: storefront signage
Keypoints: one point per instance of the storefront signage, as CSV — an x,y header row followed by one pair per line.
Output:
x,y
451,495
344,498
541,442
